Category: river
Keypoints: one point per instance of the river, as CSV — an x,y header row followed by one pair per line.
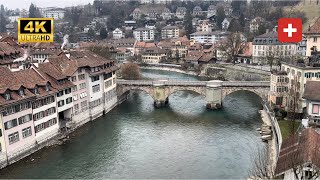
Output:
x,y
136,140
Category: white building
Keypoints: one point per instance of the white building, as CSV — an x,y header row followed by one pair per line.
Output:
x,y
143,34
13,19
268,45
117,34
208,37
205,26
169,32
225,23
54,13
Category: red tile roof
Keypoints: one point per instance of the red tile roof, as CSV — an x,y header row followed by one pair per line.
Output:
x,y
299,149
311,91
315,28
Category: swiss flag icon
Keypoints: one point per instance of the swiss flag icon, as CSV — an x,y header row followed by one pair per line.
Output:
x,y
290,30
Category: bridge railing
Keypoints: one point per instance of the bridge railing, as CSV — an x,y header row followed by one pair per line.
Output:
x,y
184,83
246,83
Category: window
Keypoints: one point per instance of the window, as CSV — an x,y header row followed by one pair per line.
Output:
x,y
47,87
0,135
68,100
96,88
81,77
26,132
35,90
21,92
308,75
24,119
315,39
84,104
60,93
82,85
74,88
10,124
315,108
7,96
76,107
74,78
94,78
14,137
107,84
68,91
60,103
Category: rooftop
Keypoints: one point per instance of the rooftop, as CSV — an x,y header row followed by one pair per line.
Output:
x,y
315,28
311,91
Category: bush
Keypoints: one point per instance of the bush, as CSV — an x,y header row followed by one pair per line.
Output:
x,y
130,71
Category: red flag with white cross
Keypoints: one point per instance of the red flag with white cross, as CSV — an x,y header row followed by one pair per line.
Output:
x,y
289,30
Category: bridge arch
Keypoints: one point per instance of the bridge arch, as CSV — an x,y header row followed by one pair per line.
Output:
x,y
124,89
199,90
261,92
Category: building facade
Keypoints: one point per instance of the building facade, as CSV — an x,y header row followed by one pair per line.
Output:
x,y
143,34
168,32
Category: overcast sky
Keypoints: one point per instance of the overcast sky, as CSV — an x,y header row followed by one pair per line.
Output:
x,y
13,4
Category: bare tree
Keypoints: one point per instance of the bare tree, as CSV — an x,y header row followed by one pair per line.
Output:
x,y
232,46
260,165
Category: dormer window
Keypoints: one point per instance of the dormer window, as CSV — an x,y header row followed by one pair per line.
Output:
x,y
36,90
7,96
21,92
48,87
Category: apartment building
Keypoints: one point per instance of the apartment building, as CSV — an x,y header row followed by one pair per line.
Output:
x,y
313,38
279,84
168,32
54,13
143,34
299,74
17,124
208,37
268,45
153,55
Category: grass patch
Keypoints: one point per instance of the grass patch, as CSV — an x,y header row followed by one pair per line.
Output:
x,y
286,126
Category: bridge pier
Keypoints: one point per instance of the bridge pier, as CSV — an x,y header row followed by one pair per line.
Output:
x,y
159,94
214,94
158,103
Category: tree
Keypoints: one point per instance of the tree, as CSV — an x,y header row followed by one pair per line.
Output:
x,y
260,163
91,33
130,71
101,51
103,33
73,15
34,11
235,26
3,21
188,23
232,46
220,16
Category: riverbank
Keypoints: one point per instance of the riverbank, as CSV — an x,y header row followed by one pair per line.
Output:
x,y
170,69
271,148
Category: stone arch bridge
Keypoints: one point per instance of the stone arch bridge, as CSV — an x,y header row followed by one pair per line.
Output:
x,y
214,91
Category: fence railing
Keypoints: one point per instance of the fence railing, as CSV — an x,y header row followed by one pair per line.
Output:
x,y
275,126
246,83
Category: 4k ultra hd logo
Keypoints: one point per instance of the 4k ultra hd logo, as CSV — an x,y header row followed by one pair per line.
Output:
x,y
35,29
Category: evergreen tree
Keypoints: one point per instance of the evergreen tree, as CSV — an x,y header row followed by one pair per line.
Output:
x,y
91,33
235,26
188,23
220,16
34,11
103,33
3,21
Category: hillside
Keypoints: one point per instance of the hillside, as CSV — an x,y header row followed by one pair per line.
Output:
x,y
311,9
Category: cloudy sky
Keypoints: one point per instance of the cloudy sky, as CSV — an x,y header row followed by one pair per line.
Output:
x,y
13,4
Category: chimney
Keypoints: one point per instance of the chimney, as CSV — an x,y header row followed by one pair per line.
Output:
x,y
267,30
